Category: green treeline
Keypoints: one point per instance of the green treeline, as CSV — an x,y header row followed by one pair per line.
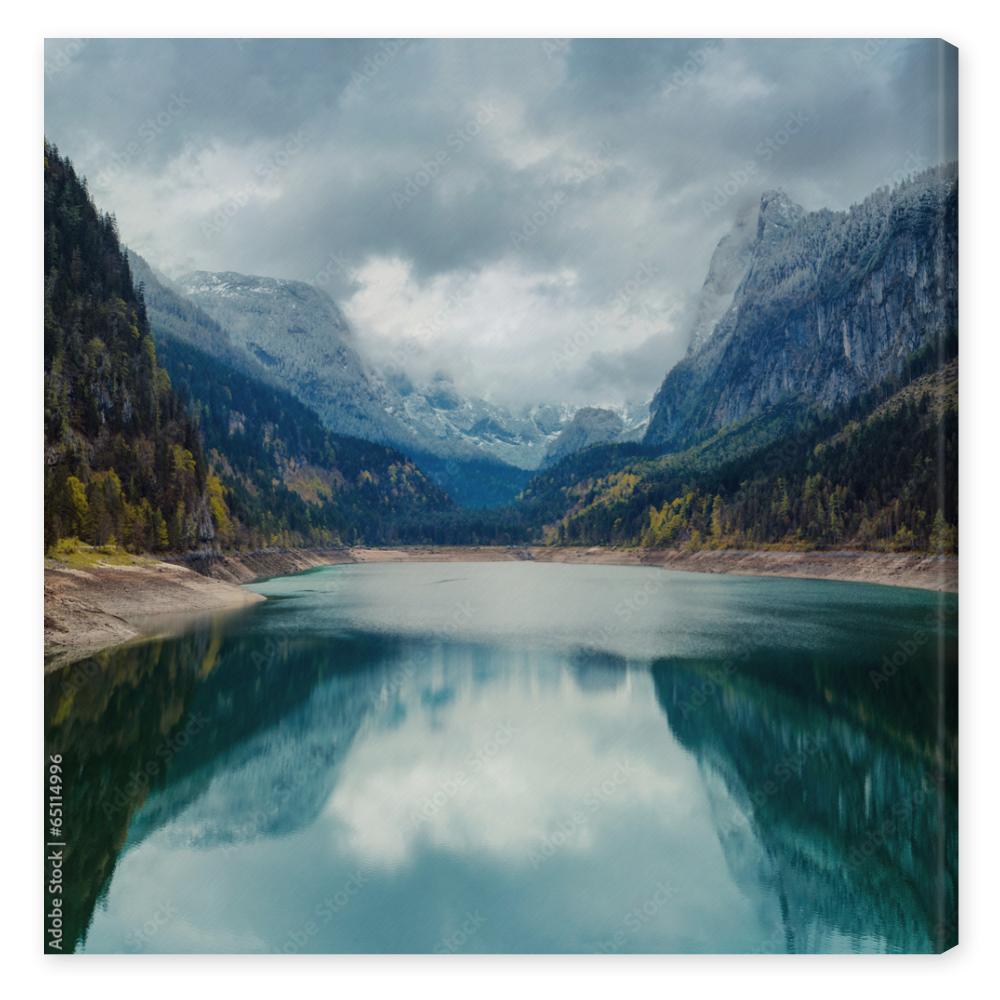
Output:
x,y
880,476
879,473
123,459
287,479
211,455
205,456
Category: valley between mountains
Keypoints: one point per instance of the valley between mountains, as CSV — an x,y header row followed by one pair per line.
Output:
x,y
198,422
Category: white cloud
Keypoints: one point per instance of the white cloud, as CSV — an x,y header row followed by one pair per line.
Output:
x,y
481,326
559,170
477,777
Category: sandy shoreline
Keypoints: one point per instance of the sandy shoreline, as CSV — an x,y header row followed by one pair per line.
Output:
x,y
98,606
91,608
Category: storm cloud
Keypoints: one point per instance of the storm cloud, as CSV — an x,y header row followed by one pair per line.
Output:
x,y
531,216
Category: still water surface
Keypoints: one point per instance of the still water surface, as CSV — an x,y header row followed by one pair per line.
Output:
x,y
518,757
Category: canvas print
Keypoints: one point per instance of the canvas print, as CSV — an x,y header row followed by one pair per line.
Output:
x,y
500,495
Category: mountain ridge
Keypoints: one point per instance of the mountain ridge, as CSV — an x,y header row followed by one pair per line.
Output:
x,y
828,305
295,336
152,444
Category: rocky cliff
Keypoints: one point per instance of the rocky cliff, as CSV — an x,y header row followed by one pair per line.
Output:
x,y
815,306
590,425
298,335
295,336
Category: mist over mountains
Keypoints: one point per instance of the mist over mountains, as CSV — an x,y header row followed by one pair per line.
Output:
x,y
294,336
807,323
540,180
392,385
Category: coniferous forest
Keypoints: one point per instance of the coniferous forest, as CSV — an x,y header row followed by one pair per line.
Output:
x,y
501,496
880,473
163,448
124,461
154,444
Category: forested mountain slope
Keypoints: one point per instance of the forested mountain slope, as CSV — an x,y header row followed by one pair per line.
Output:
x,y
818,402
292,335
123,457
590,425
287,478
299,335
156,444
879,472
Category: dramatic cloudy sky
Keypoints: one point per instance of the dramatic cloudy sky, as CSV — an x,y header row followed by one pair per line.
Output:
x,y
531,216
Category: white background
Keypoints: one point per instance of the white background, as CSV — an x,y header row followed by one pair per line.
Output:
x,y
973,27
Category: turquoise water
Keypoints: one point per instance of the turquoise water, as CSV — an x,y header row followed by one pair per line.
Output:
x,y
518,757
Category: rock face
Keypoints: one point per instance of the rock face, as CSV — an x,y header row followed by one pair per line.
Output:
x,y
300,337
448,424
590,425
815,306
725,272
293,337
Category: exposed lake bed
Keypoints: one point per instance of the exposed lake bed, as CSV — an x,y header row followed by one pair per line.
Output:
x,y
518,757
101,605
